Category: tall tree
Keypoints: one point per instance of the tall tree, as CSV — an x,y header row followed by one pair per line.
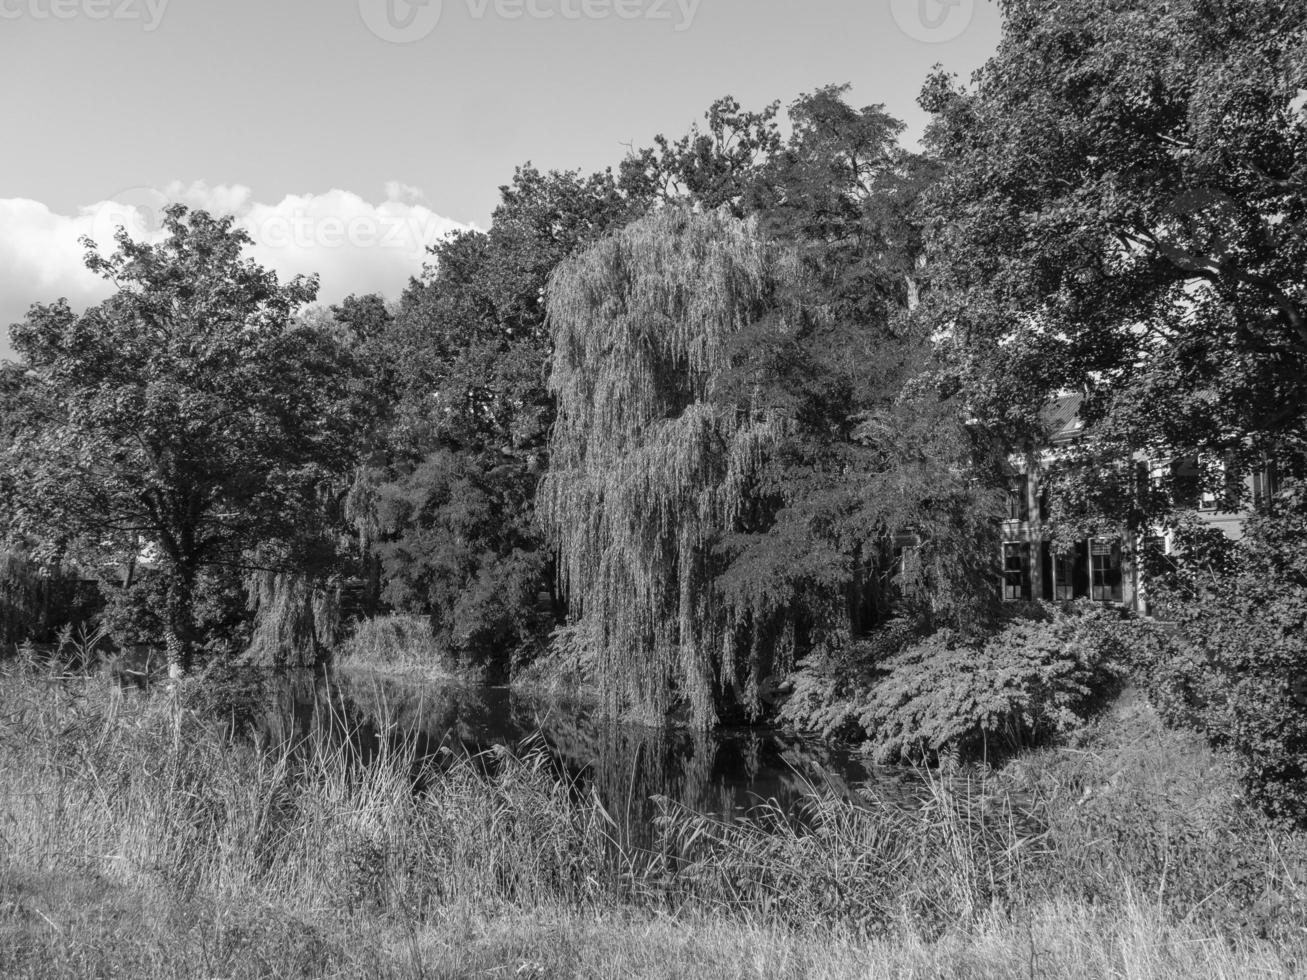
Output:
x,y
452,504
188,412
1122,211
716,507
649,470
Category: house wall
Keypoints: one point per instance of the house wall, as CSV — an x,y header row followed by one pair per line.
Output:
x,y
1050,578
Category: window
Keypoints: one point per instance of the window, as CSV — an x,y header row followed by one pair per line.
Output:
x,y
1064,578
1105,571
909,569
1018,498
1209,499
1016,571
1186,483
1265,485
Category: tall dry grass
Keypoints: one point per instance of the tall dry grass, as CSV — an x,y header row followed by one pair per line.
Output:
x,y
395,642
137,838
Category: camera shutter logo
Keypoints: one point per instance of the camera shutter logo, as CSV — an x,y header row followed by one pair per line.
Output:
x,y
933,21
400,21
138,210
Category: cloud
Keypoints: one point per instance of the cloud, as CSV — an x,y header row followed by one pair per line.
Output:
x,y
353,245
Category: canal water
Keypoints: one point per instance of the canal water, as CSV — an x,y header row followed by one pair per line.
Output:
x,y
726,773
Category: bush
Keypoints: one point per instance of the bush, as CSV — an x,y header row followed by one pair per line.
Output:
x,y
135,615
919,698
35,606
829,691
1236,668
1031,680
394,641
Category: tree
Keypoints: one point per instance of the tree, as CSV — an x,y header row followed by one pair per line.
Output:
x,y
716,168
188,412
719,497
451,504
1235,668
649,470
1122,212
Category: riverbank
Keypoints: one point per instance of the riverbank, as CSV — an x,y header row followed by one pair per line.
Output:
x,y
123,933
138,840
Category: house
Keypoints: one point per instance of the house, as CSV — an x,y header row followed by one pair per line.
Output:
x,y
1102,569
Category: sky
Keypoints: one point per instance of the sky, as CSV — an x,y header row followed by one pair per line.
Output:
x,y
347,135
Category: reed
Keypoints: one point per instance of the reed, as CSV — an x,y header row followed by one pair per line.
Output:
x,y
137,838
394,643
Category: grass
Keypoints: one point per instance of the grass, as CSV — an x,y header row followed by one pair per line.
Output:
x,y
138,839
396,644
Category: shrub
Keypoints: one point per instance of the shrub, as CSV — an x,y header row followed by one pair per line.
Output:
x,y
1236,667
393,641
918,698
1032,679
829,690
134,615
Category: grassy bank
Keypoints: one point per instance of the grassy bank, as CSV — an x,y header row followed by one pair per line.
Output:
x,y
138,840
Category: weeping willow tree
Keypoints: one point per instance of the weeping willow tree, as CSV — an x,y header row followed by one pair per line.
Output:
x,y
655,454
296,618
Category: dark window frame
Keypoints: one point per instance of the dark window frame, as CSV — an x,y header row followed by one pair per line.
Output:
x,y
1016,571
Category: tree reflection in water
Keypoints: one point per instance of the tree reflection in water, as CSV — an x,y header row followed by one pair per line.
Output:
x,y
627,767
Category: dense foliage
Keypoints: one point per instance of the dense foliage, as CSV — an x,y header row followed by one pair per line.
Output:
x,y
188,413
944,696
1236,668
747,401
1120,211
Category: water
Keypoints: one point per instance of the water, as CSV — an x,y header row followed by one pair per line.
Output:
x,y
726,773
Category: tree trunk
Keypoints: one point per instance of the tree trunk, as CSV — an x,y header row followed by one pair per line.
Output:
x,y
180,634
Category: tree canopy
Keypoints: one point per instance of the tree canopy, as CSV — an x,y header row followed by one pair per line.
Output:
x,y
1120,212
188,412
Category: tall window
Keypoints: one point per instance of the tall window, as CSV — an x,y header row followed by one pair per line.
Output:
x,y
1105,571
1186,482
1018,500
1064,578
1016,571
1265,485
909,569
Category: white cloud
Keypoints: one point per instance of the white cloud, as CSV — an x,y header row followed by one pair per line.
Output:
x,y
354,246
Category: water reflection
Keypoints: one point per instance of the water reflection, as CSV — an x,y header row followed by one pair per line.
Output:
x,y
726,773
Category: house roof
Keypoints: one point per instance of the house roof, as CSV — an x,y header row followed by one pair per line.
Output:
x,y
1061,417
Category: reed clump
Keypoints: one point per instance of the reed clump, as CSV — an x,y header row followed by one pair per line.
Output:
x,y
138,837
394,642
